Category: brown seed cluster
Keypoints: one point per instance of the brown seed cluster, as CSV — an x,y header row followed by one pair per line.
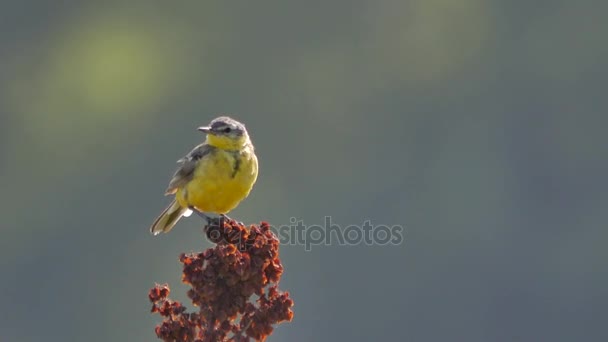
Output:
x,y
244,262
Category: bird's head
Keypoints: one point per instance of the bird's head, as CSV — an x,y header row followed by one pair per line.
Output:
x,y
226,133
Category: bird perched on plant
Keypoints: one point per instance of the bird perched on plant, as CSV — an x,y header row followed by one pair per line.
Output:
x,y
214,177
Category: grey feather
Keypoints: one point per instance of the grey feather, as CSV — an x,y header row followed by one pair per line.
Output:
x,y
237,164
185,171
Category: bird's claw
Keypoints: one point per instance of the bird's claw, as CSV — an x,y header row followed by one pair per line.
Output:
x,y
200,214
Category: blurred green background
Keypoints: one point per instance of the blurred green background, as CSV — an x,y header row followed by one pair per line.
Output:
x,y
477,125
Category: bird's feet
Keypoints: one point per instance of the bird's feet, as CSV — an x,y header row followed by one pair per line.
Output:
x,y
224,218
200,213
219,220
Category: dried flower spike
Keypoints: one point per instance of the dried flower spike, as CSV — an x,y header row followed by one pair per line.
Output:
x,y
223,279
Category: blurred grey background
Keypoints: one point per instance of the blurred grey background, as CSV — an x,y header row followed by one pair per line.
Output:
x,y
477,125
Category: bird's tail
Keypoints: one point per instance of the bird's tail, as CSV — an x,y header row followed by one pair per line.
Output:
x,y
168,218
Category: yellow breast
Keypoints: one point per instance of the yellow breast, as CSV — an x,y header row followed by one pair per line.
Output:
x,y
221,180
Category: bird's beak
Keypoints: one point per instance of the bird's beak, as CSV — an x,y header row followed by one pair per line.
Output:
x,y
205,129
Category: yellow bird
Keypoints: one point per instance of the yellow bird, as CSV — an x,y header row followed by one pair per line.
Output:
x,y
214,177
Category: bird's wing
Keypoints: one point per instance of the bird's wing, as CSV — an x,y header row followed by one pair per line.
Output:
x,y
185,171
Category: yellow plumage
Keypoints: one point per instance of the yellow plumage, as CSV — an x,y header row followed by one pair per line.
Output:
x,y
214,177
214,188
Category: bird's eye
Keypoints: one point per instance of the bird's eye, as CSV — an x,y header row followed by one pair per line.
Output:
x,y
227,130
